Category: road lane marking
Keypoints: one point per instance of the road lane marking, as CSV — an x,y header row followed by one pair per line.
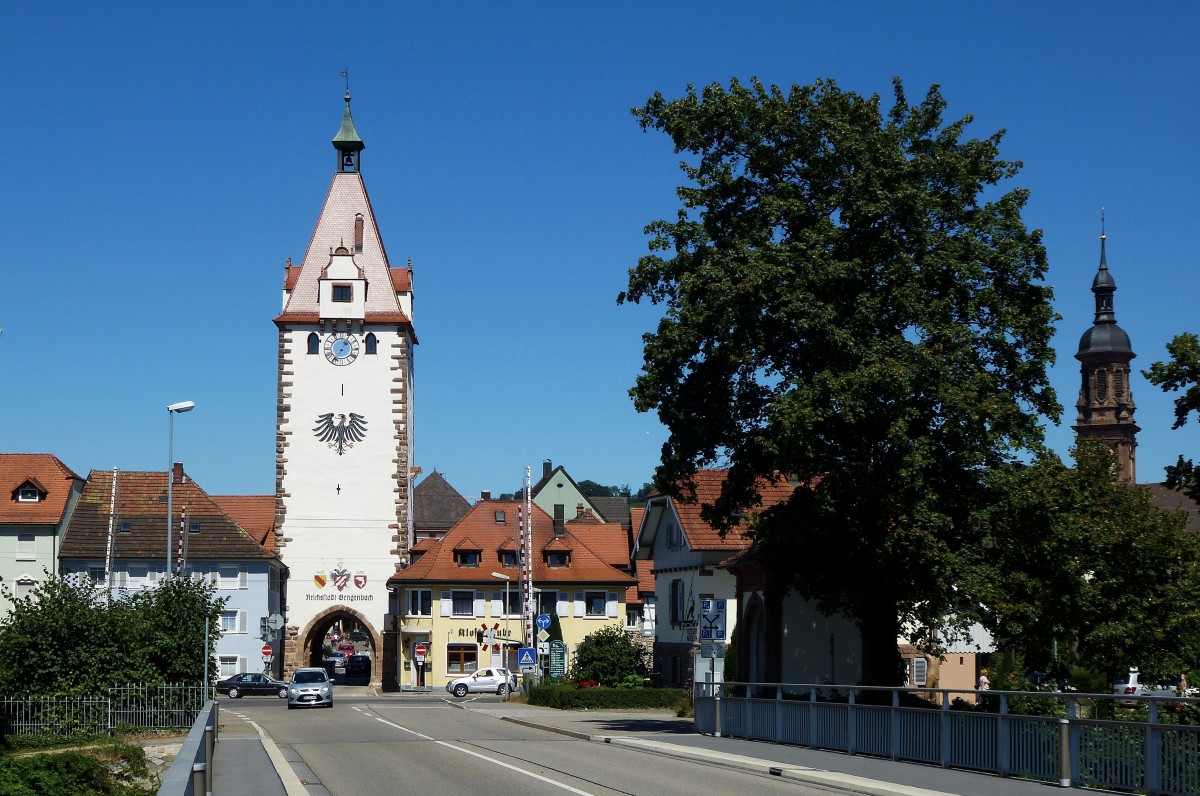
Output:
x,y
406,729
511,767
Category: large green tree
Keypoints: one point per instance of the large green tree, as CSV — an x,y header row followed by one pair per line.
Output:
x,y
1078,566
849,298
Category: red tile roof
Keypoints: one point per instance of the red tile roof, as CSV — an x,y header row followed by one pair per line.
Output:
x,y
42,470
255,513
701,535
481,526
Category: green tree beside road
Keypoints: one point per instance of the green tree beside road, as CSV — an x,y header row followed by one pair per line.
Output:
x,y
850,299
65,639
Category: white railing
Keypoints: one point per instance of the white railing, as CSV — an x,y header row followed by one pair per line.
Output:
x,y
1050,736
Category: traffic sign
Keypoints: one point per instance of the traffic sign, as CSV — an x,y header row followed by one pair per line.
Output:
x,y
526,657
543,635
420,650
266,650
543,621
275,621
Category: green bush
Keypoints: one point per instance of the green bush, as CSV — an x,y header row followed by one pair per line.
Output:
x,y
607,656
111,771
568,697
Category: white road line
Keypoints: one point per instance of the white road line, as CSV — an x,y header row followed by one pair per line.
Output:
x,y
493,760
511,767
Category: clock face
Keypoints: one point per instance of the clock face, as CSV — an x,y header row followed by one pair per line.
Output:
x,y
341,349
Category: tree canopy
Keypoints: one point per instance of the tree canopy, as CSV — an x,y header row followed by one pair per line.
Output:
x,y
66,639
1075,565
848,298
1181,372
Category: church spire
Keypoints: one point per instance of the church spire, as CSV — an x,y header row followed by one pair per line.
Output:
x,y
346,142
1105,402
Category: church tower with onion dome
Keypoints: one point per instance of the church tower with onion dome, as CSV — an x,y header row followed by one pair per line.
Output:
x,y
1105,399
344,436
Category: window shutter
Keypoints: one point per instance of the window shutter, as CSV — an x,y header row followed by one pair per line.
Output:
x,y
241,665
920,671
241,622
611,604
243,578
580,609
447,603
562,603
479,604
152,575
497,608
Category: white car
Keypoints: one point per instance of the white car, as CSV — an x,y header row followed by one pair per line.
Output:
x,y
1130,685
484,681
310,687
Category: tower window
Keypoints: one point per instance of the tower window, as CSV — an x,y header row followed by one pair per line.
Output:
x,y
371,343
314,343
1101,385
342,293
1119,384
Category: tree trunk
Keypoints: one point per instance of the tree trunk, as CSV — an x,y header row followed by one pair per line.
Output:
x,y
881,656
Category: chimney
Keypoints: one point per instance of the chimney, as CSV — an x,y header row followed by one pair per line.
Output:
x,y
547,468
485,495
177,473
559,530
580,512
358,232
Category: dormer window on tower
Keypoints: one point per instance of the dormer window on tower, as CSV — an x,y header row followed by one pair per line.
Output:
x,y
343,293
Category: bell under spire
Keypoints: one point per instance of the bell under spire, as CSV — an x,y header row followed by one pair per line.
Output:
x,y
347,143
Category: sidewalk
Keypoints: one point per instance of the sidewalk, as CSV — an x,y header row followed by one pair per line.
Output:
x,y
246,760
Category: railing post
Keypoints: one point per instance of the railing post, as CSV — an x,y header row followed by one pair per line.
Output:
x,y
717,709
778,713
1153,775
1073,737
894,725
209,743
812,716
851,723
944,725
1064,753
1003,748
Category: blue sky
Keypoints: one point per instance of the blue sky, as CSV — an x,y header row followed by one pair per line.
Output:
x,y
164,160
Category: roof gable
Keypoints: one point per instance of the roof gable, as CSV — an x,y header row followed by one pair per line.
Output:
x,y
44,472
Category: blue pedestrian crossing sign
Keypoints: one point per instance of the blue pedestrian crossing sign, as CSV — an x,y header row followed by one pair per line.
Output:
x,y
543,621
526,657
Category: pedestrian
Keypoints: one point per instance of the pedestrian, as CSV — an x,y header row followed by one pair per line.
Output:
x,y
984,683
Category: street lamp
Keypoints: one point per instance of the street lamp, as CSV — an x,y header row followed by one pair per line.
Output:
x,y
172,410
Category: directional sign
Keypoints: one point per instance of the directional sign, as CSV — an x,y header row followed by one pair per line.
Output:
x,y
266,650
558,659
526,658
712,620
543,621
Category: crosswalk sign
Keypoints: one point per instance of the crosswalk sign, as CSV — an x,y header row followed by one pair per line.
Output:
x,y
526,657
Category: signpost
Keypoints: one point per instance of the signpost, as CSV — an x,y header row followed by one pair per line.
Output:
x,y
558,659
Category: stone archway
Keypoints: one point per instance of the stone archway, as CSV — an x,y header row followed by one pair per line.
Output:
x,y
303,647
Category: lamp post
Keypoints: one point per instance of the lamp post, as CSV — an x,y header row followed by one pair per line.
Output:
x,y
172,410
506,579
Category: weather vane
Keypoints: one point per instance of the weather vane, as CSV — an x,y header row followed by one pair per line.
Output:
x,y
346,74
1102,235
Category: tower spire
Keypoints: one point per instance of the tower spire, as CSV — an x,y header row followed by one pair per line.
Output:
x,y
1105,402
346,142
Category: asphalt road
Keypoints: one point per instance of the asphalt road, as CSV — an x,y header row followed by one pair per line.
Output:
x,y
423,745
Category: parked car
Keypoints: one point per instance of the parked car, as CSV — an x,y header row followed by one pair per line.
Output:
x,y
335,659
484,681
310,687
249,684
1130,684
346,648
358,665
359,635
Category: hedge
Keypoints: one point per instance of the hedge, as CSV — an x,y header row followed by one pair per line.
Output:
x,y
570,697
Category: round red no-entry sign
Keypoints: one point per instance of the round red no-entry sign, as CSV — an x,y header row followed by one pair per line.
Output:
x,y
420,650
266,650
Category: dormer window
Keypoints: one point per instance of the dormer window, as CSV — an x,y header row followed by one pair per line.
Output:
x,y
466,558
28,494
508,558
343,293
558,558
